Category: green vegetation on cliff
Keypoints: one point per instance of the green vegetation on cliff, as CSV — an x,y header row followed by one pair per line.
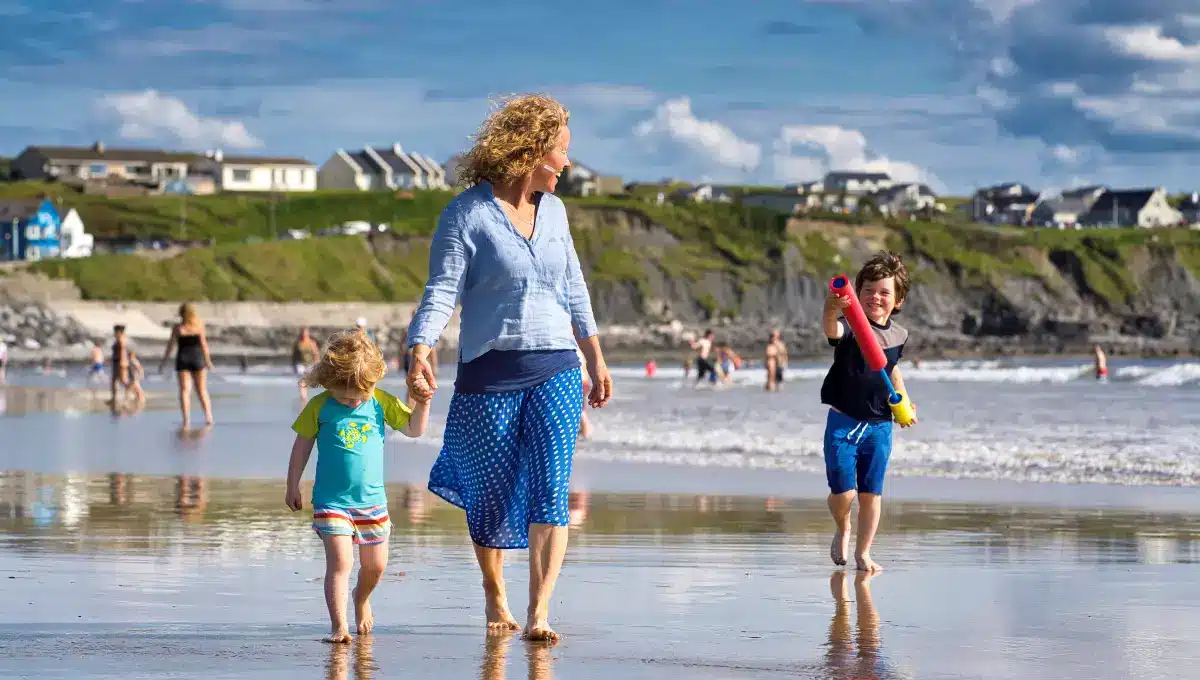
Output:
x,y
624,244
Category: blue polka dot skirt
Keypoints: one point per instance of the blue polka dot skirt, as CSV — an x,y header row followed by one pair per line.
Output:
x,y
506,458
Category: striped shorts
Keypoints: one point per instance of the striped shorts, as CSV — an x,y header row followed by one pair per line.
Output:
x,y
367,526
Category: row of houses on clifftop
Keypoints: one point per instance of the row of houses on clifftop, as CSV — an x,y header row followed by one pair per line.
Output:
x,y
1089,206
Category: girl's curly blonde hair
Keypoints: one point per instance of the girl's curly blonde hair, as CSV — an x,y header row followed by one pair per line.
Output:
x,y
350,361
513,140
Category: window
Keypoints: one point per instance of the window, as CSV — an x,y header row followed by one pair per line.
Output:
x,y
32,233
98,169
33,253
241,174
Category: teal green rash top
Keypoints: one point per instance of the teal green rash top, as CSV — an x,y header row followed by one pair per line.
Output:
x,y
350,447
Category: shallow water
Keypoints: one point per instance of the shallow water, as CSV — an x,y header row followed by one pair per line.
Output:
x,y
135,576
132,549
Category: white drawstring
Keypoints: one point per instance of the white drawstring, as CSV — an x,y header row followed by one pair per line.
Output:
x,y
861,428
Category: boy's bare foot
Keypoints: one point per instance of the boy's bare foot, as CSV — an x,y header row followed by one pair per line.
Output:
x,y
865,563
839,546
499,618
539,630
339,637
363,615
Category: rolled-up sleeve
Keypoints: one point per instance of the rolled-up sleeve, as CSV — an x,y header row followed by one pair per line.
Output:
x,y
448,259
577,294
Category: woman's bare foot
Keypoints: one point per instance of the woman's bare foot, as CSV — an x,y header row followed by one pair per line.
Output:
x,y
865,563
339,637
499,618
540,631
363,616
839,546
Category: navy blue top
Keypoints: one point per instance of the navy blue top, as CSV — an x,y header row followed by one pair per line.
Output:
x,y
851,386
512,370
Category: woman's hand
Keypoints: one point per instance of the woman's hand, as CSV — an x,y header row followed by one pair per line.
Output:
x,y
421,381
602,384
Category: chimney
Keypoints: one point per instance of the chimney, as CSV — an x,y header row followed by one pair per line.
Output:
x,y
397,149
98,147
218,155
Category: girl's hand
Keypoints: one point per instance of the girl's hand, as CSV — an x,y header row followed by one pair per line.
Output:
x,y
602,385
293,499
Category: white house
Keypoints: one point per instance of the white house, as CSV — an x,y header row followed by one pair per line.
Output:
x,y
806,187
856,183
1132,208
76,242
703,193
380,168
257,174
906,198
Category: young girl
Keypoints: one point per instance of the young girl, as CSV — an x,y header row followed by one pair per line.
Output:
x,y
347,421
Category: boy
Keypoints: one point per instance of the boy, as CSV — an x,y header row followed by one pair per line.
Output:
x,y
858,431
346,422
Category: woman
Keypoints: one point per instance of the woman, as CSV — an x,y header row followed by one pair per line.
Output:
x,y
503,248
305,352
191,362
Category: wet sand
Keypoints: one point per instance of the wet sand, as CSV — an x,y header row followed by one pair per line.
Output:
x,y
133,576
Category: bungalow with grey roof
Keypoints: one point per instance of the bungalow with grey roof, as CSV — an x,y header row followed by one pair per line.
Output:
x,y
151,167
905,199
256,173
1132,208
380,168
1007,203
1063,210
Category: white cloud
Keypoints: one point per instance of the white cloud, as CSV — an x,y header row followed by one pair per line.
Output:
x,y
674,120
805,152
1148,42
151,116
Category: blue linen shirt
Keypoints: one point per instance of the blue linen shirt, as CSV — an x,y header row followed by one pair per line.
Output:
x,y
516,293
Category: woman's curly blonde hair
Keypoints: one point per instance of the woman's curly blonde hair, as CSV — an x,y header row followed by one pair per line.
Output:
x,y
350,361
513,140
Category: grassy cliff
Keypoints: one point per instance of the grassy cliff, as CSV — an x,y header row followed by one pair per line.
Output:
x,y
709,258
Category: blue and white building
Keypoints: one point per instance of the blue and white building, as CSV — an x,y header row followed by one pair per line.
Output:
x,y
30,230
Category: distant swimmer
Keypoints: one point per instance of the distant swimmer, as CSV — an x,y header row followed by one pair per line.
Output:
x,y
775,360
3,359
1101,363
191,363
96,365
305,352
703,348
728,362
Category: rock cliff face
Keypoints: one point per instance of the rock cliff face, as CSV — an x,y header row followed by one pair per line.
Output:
x,y
987,293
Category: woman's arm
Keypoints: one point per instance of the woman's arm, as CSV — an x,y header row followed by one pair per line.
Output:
x,y
577,297
170,346
448,261
204,348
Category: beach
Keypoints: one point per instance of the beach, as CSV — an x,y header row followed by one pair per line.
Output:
x,y
1038,525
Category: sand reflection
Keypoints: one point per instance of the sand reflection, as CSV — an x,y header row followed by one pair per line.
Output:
x,y
494,663
854,653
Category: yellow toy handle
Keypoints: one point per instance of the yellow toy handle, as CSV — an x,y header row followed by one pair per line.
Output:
x,y
902,410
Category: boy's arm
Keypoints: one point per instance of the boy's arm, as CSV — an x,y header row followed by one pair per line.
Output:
x,y
301,450
898,383
834,304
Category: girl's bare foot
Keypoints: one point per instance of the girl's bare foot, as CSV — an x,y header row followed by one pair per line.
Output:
x,y
865,563
499,618
339,637
839,546
363,616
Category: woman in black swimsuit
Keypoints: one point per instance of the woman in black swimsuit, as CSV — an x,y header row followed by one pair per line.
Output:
x,y
191,362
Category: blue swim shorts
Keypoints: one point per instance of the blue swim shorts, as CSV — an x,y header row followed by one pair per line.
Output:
x,y
856,453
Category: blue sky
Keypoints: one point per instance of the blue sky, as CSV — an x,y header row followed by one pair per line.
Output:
x,y
954,92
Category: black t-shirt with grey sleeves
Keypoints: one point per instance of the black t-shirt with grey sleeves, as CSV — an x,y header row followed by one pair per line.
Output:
x,y
850,385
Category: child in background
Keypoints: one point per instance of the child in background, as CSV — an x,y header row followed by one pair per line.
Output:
x,y
858,432
346,422
136,373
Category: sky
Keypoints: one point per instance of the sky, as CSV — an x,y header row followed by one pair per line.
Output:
x,y
954,93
